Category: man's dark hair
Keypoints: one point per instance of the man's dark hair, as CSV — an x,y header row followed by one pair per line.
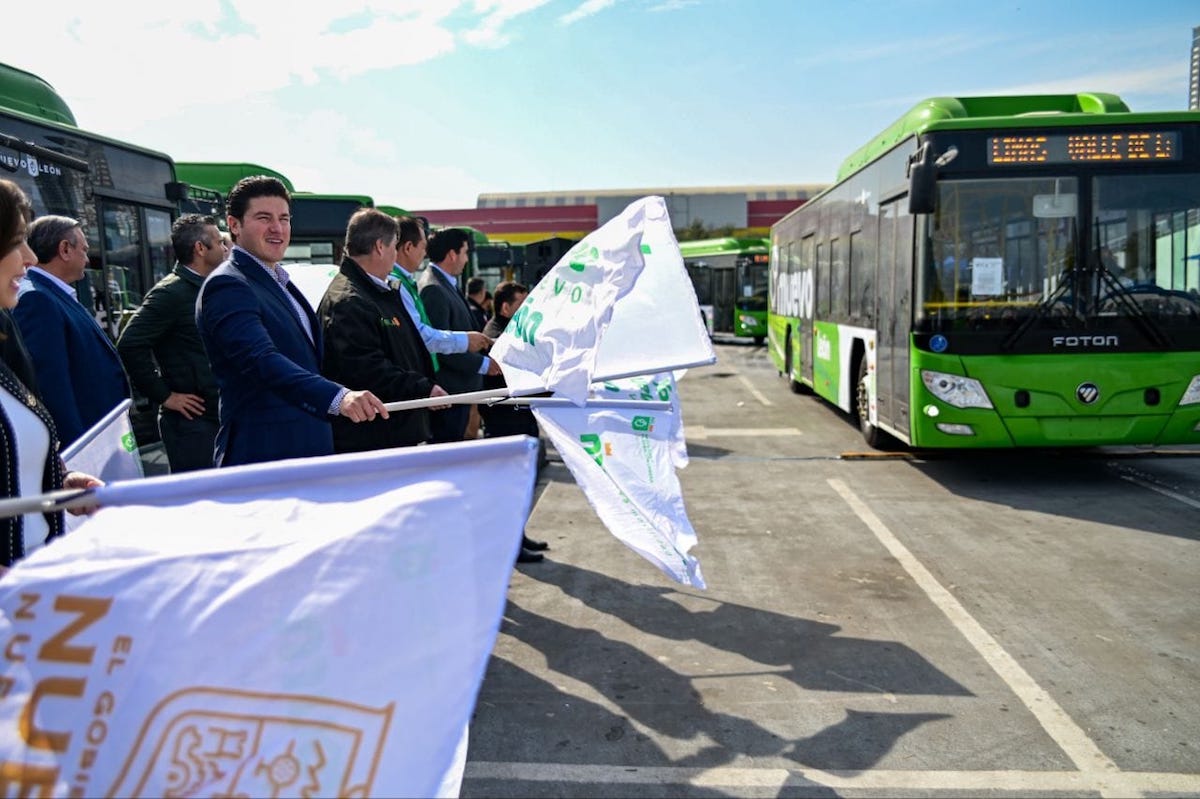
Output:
x,y
367,226
186,232
247,189
446,241
476,285
411,230
508,291
47,232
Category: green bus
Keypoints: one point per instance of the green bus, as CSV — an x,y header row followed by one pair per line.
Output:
x,y
1002,272
730,278
125,196
318,220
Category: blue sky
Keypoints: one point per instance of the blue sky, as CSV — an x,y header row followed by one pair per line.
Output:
x,y
424,104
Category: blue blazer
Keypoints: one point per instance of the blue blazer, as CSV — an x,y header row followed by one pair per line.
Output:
x,y
274,404
79,374
458,373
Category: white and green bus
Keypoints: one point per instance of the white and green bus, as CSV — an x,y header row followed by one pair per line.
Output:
x,y
1002,272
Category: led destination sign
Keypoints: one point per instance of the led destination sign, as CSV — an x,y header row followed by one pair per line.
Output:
x,y
1066,148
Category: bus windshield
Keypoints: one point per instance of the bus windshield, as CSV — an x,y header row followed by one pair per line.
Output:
x,y
1001,251
753,278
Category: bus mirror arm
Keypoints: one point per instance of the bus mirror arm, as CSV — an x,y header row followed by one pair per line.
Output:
x,y
922,175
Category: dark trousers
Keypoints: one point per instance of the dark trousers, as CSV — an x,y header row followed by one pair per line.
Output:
x,y
450,424
188,442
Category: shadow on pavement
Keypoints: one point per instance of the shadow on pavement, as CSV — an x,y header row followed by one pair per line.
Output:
x,y
524,718
1078,484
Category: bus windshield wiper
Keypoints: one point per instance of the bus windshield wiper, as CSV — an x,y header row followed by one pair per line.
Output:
x,y
1111,284
1039,312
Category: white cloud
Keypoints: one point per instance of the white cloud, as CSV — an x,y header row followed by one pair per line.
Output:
x,y
585,9
496,14
673,5
155,57
1163,79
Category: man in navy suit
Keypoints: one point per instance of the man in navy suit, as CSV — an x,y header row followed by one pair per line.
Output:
x,y
264,342
79,373
447,309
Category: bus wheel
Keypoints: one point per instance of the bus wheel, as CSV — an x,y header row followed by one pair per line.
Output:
x,y
758,341
871,434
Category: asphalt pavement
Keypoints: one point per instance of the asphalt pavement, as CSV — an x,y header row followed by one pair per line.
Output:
x,y
911,624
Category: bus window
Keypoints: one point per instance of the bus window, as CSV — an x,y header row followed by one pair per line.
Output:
x,y
990,256
158,236
822,283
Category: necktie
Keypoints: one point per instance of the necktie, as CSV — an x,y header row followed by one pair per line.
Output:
x,y
410,286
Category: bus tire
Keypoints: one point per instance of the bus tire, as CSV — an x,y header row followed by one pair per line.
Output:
x,y
758,340
874,437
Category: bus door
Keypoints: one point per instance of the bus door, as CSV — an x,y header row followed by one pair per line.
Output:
x,y
702,283
128,272
894,314
808,260
724,296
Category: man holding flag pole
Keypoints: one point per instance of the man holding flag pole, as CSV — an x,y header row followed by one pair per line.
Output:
x,y
370,340
265,344
294,592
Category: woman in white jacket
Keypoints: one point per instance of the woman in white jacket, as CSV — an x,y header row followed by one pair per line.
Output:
x,y
29,459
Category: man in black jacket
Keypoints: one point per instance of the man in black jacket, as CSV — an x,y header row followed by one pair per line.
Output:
x,y
511,420
163,354
370,340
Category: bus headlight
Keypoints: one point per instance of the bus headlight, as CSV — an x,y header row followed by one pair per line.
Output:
x,y
747,320
956,390
1192,395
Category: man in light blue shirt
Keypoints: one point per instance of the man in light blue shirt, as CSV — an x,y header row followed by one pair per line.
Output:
x,y
409,256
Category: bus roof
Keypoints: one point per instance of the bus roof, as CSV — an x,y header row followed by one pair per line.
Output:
x,y
360,199
477,236
222,176
1051,110
703,247
25,92
393,210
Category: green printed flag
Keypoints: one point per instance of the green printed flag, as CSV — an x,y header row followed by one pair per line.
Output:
x,y
108,451
618,304
623,461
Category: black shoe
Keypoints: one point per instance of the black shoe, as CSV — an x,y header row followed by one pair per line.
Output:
x,y
527,556
533,546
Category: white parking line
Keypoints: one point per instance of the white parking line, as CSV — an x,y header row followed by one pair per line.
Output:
x,y
1166,492
754,392
1069,736
814,782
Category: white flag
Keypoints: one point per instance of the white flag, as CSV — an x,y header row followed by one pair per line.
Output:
x,y
108,451
312,279
661,388
618,304
657,326
317,627
623,462
551,341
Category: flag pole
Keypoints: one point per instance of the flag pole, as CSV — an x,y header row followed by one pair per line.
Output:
x,y
469,398
563,402
64,499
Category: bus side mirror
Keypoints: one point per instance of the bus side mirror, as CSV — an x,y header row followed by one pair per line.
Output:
x,y
922,180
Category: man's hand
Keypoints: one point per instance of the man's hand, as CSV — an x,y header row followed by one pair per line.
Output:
x,y
477,342
493,368
361,406
438,391
190,405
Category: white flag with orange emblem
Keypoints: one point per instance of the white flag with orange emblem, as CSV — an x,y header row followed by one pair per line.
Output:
x,y
317,627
